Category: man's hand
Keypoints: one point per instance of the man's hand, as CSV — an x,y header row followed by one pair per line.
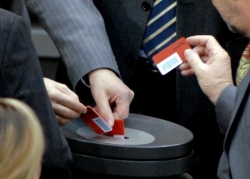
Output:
x,y
210,63
65,102
111,95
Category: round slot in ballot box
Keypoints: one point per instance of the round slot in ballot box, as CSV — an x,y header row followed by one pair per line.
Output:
x,y
151,147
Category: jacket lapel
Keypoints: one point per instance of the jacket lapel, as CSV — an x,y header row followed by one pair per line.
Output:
x,y
241,97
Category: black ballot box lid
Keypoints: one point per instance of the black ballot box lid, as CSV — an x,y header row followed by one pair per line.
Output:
x,y
152,147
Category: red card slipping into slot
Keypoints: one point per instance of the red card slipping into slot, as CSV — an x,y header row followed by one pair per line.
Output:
x,y
95,122
118,129
171,56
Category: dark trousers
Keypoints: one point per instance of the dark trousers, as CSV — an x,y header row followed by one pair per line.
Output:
x,y
54,173
155,94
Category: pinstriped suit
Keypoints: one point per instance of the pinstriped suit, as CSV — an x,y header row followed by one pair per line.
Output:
x,y
78,23
21,78
90,52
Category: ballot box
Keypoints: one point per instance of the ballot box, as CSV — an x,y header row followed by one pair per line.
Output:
x,y
150,148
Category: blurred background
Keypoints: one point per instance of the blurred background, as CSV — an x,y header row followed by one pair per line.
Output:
x,y
47,51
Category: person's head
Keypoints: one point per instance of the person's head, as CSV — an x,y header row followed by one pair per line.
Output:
x,y
235,14
21,141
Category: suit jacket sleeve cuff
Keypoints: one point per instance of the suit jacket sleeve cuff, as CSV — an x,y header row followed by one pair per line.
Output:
x,y
224,107
85,79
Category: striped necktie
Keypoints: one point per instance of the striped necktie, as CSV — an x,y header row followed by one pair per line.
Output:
x,y
244,65
161,27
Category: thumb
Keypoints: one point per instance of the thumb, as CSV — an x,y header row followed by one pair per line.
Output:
x,y
121,111
193,60
105,112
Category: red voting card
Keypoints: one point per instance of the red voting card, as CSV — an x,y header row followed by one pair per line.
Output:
x,y
95,122
100,126
117,130
171,56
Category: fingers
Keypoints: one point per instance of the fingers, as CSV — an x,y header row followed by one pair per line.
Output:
x,y
122,103
186,69
204,47
118,108
62,121
65,102
66,105
103,108
111,95
65,112
210,63
121,111
208,42
199,40
194,60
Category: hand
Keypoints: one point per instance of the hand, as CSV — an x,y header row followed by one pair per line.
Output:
x,y
111,95
65,102
210,63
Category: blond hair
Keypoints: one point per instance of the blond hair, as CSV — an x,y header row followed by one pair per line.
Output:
x,y
21,141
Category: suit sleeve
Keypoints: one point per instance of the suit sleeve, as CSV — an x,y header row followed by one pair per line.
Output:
x,y
21,77
224,107
78,31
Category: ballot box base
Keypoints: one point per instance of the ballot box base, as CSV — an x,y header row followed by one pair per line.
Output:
x,y
152,148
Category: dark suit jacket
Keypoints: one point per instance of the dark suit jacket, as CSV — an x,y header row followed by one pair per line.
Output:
x,y
21,77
